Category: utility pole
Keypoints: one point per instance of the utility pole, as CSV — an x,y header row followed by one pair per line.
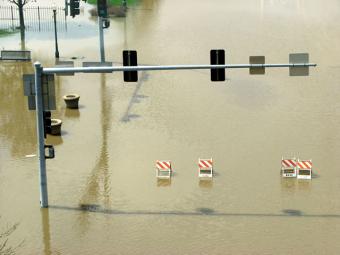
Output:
x,y
101,39
40,134
55,33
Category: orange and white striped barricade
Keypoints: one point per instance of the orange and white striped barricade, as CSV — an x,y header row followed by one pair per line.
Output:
x,y
163,169
205,168
288,167
304,169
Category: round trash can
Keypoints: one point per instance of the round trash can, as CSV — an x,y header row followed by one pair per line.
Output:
x,y
56,126
71,101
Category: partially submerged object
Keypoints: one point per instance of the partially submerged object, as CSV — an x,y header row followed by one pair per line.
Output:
x,y
205,168
288,167
56,127
304,169
163,169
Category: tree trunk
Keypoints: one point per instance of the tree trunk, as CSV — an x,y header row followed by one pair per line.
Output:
x,y
22,39
21,14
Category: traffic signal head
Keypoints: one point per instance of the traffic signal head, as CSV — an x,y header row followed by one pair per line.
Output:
x,y
106,23
47,122
102,8
217,58
74,8
130,59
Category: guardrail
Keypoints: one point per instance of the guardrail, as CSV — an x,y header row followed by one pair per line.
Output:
x,y
16,55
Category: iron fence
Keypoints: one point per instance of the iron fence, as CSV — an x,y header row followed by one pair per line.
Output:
x,y
36,18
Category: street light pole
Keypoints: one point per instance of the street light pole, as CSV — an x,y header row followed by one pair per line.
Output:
x,y
55,33
101,39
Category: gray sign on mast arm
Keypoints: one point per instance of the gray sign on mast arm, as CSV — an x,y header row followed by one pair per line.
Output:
x,y
257,60
299,58
48,91
298,64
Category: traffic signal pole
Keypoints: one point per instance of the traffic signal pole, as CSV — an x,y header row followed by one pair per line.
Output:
x,y
39,71
105,69
40,134
101,39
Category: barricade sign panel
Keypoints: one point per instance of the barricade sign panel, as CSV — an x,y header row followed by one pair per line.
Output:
x,y
163,168
288,167
304,169
205,168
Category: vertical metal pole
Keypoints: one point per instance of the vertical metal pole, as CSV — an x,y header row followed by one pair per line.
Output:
x,y
66,21
66,8
12,17
55,33
101,39
39,17
40,135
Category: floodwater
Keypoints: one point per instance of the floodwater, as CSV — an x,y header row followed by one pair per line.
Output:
x,y
103,194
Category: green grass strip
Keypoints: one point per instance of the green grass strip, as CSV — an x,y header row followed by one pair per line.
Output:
x,y
113,2
4,32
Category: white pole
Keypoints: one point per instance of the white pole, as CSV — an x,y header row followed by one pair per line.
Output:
x,y
40,136
55,70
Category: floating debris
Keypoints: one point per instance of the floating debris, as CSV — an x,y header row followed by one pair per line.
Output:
x,y
30,155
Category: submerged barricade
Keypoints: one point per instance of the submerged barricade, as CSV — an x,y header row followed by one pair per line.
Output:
x,y
300,169
164,169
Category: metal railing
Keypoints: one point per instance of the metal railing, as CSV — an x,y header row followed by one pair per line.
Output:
x,y
36,18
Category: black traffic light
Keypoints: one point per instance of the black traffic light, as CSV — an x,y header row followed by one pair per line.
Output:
x,y
74,8
130,59
106,23
47,122
217,58
50,151
102,8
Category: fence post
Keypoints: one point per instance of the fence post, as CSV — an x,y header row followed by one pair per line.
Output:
x,y
39,17
12,17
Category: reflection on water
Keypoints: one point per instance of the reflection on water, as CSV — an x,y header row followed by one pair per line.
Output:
x,y
45,219
163,182
72,113
291,185
100,174
292,212
208,184
206,210
304,185
135,98
16,123
54,139
288,184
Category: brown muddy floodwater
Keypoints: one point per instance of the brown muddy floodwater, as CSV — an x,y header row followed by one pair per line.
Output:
x,y
103,194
